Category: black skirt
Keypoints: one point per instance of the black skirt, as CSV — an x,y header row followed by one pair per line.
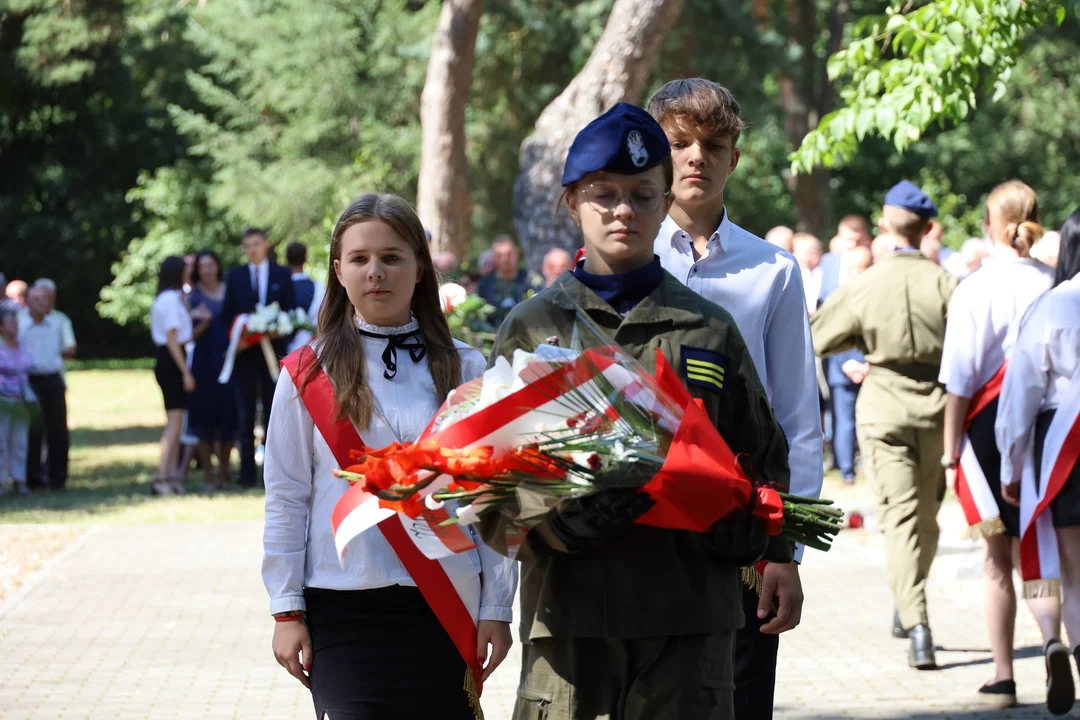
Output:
x,y
1065,508
169,379
382,655
984,444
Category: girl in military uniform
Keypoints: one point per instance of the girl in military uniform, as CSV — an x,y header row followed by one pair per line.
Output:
x,y
619,620
983,310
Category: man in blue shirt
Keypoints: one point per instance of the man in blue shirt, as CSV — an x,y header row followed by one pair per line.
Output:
x,y
761,286
507,285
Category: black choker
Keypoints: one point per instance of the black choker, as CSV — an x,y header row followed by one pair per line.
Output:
x,y
416,349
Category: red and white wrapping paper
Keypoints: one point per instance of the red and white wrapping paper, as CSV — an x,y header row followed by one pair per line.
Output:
x,y
699,483
237,335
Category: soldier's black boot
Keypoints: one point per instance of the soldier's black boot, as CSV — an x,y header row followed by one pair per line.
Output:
x,y
898,630
922,648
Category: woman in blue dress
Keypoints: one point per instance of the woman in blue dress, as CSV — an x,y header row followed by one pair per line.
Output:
x,y
211,409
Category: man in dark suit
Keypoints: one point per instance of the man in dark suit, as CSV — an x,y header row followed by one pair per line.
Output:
x,y
260,282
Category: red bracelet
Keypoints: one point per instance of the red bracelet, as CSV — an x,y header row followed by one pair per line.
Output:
x,y
289,617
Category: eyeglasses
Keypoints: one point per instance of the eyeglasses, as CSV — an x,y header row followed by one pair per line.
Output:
x,y
644,199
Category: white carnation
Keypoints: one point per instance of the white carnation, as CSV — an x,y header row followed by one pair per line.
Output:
x,y
468,515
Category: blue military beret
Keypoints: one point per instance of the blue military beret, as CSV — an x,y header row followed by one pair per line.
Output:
x,y
908,197
625,140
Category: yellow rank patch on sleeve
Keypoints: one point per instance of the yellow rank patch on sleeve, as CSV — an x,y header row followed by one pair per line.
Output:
x,y
704,368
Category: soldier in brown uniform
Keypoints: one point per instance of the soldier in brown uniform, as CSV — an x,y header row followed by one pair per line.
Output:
x,y
894,312
624,621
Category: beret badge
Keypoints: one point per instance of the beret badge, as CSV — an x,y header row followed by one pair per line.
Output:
x,y
636,146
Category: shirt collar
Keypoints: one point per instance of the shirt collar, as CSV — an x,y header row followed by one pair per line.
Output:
x,y
681,241
300,276
265,263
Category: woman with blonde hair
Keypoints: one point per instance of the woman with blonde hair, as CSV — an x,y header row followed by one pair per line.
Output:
x,y
979,336
368,635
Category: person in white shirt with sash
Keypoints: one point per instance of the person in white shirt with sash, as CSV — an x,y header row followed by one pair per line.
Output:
x,y
1038,434
385,632
761,286
978,339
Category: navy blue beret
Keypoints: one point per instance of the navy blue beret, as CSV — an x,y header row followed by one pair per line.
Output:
x,y
908,197
625,140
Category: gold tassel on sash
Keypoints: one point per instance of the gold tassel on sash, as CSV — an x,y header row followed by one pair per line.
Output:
x,y
752,579
1041,589
986,528
474,695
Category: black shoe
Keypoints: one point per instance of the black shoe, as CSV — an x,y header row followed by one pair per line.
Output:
x,y
922,648
1060,692
898,630
999,695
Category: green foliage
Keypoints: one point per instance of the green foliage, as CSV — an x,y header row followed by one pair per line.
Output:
x,y
908,69
1030,134
469,323
526,53
79,121
135,129
308,104
173,203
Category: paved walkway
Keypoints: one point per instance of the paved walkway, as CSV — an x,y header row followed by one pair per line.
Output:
x,y
169,621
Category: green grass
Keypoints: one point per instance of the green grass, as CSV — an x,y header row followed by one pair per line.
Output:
x,y
145,363
116,417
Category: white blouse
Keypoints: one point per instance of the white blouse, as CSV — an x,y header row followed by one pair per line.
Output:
x,y
982,312
170,313
1044,360
301,490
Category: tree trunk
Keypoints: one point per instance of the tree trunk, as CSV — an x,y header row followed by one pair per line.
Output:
x,y
616,71
807,95
798,93
442,195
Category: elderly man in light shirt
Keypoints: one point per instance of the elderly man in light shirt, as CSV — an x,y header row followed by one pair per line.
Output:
x,y
68,330
41,333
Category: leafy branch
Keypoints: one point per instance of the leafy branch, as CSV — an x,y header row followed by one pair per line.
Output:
x,y
913,67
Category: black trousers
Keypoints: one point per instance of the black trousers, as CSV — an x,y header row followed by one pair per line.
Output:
x,y
251,378
382,655
755,664
52,400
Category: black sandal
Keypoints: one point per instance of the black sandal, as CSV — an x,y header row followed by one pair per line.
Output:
x,y
1060,691
1000,695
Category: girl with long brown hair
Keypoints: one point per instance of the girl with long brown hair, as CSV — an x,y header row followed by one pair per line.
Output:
x,y
983,315
360,633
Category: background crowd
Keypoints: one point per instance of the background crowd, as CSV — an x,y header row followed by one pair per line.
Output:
x,y
206,423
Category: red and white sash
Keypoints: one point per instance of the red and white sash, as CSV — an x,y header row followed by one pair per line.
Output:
x,y
452,602
980,508
236,335
1061,447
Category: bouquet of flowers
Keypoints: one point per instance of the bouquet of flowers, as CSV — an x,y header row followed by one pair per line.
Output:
x,y
557,423
268,322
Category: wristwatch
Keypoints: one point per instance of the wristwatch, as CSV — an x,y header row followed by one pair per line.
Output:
x,y
949,463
